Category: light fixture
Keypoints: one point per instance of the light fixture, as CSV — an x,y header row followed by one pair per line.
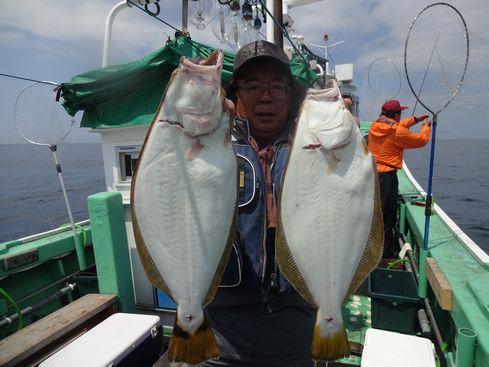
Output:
x,y
257,22
240,26
203,11
218,27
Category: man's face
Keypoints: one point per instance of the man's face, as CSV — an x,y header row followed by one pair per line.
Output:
x,y
263,99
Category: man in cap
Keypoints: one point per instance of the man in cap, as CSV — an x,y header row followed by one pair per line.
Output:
x,y
257,316
387,139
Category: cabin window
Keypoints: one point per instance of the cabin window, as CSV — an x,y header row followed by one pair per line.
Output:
x,y
128,158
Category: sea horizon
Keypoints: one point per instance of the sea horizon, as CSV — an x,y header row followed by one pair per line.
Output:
x,y
29,182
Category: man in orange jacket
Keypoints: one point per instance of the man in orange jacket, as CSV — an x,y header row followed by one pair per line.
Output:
x,y
387,139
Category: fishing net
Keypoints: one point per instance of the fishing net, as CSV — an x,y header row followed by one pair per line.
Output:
x,y
384,80
473,96
40,119
436,56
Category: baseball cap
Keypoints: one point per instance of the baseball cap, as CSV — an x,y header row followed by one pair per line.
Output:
x,y
393,106
260,50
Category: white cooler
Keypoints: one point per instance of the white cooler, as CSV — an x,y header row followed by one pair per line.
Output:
x,y
122,339
386,348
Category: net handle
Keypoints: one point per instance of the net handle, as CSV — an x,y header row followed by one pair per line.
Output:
x,y
450,99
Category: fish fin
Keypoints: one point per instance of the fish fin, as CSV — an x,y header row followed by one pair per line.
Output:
x,y
192,348
329,347
375,244
224,259
149,266
288,266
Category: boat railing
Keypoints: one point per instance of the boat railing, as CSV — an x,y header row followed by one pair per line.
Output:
x,y
51,232
478,254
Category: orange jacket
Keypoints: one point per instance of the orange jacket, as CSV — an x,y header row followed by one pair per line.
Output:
x,y
387,140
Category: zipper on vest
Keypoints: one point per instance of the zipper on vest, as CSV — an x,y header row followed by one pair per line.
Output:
x,y
274,278
264,241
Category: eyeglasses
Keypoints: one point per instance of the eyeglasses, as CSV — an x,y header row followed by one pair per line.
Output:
x,y
254,90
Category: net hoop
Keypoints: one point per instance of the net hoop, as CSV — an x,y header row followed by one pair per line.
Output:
x,y
450,99
16,112
395,67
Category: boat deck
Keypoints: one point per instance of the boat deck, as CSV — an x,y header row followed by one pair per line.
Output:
x,y
358,319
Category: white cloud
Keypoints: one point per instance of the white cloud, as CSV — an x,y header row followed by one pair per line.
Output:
x,y
56,20
55,40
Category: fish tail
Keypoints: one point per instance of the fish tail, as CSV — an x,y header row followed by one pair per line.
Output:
x,y
192,348
329,347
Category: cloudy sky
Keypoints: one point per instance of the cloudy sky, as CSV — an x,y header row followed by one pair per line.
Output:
x,y
55,40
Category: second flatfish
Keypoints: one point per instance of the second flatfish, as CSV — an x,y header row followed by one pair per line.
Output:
x,y
330,233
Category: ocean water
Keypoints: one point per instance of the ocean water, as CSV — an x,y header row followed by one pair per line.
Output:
x,y
460,184
31,199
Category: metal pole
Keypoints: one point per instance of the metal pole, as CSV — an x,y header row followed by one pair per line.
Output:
x,y
270,23
184,16
278,15
79,246
108,29
58,294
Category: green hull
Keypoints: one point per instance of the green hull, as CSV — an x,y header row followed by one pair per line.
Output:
x,y
44,273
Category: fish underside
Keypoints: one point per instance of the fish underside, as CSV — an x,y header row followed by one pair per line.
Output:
x,y
330,228
183,201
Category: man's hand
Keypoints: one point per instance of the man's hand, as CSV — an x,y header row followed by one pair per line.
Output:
x,y
229,106
427,121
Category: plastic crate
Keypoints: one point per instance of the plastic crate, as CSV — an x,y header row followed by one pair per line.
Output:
x,y
395,300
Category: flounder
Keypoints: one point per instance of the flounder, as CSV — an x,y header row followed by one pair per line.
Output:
x,y
183,200
330,230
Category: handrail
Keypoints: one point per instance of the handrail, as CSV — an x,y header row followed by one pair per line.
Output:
x,y
108,29
51,232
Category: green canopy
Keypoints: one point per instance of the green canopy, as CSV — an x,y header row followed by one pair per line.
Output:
x,y
129,94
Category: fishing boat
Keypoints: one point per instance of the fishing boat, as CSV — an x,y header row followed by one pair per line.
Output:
x,y
64,292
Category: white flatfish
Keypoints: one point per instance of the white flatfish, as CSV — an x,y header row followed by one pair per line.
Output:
x,y
330,233
183,200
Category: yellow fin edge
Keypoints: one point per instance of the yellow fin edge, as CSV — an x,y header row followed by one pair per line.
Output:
x,y
330,347
375,244
192,348
288,265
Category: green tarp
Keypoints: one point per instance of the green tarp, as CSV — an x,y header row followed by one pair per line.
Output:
x,y
129,94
